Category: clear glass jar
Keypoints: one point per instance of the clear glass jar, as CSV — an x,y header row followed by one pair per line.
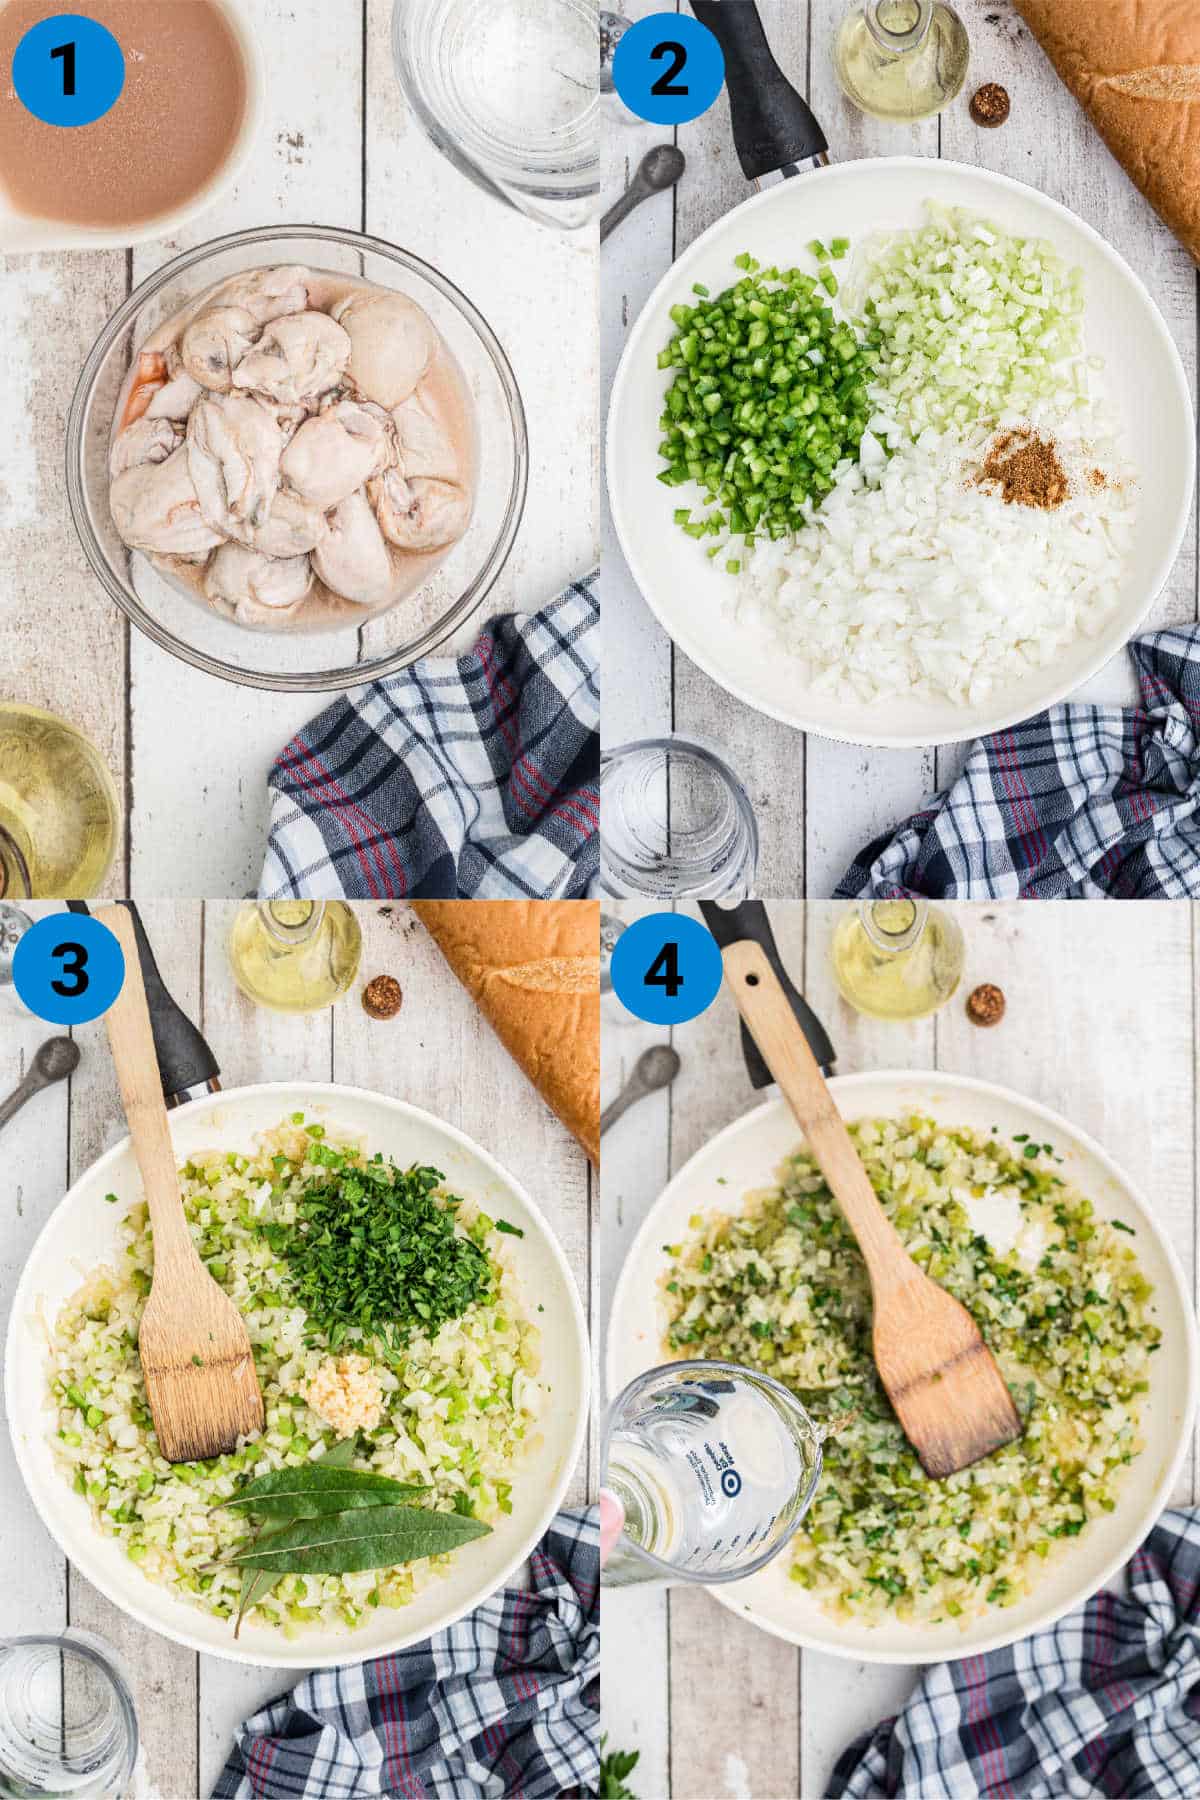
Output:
x,y
675,823
712,1466
897,959
509,92
295,956
67,1720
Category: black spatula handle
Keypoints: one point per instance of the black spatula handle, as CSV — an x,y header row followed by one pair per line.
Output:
x,y
734,924
185,1062
772,125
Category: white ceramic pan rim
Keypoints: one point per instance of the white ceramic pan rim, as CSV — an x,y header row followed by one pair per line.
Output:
x,y
761,1139
686,596
83,1224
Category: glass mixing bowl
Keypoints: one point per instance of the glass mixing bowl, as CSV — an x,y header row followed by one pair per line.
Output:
x,y
298,661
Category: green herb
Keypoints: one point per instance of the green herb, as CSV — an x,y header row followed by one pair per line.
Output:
x,y
1119,1225
318,1488
112,1199
509,1230
374,1251
615,1765
344,1543
258,1583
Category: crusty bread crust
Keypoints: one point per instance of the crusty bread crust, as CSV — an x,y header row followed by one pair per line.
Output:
x,y
533,969
1134,66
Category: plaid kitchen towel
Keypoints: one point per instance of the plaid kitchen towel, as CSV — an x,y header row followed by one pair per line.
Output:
x,y
1077,803
472,775
1106,1702
502,1704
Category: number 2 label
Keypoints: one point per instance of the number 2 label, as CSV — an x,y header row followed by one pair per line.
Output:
x,y
664,84
668,68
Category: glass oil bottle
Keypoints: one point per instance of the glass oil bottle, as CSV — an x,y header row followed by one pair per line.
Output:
x,y
901,60
295,956
897,959
60,819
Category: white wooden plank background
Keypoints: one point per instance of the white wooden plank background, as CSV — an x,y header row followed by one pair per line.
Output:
x,y
1100,1025
818,801
337,147
438,1054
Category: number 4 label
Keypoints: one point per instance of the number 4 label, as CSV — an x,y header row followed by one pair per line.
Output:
x,y
666,968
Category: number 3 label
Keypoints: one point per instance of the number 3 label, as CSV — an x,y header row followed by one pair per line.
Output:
x,y
67,969
668,68
68,70
666,969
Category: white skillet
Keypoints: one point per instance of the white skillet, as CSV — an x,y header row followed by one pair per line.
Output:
x,y
82,1232
747,1156
1147,386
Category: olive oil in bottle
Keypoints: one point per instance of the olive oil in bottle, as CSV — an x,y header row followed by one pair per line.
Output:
x,y
897,959
901,60
60,819
295,956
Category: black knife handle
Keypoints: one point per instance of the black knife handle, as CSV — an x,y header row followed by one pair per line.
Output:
x,y
185,1061
734,924
772,124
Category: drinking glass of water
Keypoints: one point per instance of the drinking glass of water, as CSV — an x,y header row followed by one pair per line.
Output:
x,y
67,1724
715,1467
675,823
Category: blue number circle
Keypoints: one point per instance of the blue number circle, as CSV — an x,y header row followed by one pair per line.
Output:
x,y
68,969
668,68
666,969
68,70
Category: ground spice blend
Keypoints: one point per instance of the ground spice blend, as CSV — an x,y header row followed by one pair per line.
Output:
x,y
1027,471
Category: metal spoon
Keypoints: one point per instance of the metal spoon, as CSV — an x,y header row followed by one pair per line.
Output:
x,y
654,1069
658,170
613,26
52,1061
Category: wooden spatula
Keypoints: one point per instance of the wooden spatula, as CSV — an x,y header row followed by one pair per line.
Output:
x,y
196,1356
940,1376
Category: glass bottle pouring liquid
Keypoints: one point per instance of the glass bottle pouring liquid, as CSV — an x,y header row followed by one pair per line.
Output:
x,y
902,60
295,956
60,819
897,959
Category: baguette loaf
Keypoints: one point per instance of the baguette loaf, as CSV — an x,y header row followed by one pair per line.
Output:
x,y
1135,69
533,969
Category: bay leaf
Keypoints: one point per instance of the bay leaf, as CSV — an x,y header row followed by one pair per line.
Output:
x,y
378,1537
319,1488
258,1583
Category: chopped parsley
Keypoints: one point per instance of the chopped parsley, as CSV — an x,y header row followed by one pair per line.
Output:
x,y
374,1250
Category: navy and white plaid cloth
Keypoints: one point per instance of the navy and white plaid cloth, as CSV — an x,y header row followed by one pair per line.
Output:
x,y
1080,802
1106,1702
502,1704
461,776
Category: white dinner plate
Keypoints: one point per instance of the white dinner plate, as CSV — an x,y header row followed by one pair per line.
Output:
x,y
83,1232
746,1156
690,595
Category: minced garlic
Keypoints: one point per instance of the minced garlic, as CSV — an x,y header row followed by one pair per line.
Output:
x,y
346,1393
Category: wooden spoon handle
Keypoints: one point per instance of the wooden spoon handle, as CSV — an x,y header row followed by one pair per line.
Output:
x,y
132,1043
763,1004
